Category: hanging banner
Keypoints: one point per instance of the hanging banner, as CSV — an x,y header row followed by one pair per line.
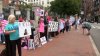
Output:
x,y
52,26
24,29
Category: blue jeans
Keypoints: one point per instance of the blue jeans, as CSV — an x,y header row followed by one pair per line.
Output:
x,y
2,37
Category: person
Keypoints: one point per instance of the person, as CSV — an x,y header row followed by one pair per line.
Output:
x,y
56,20
21,19
41,27
67,25
76,21
13,31
86,25
63,20
2,37
61,25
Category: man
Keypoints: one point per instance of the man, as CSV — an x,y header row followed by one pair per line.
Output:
x,y
86,25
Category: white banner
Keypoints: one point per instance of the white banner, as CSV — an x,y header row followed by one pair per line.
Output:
x,y
52,26
24,29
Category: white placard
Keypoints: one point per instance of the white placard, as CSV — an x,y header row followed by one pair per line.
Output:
x,y
43,40
42,12
24,29
36,40
52,26
31,44
18,12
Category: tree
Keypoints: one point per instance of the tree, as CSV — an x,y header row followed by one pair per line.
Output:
x,y
63,7
24,7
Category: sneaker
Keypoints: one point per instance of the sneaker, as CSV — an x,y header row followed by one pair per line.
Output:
x,y
3,42
50,39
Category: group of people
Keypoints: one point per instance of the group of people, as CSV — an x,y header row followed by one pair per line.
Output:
x,y
11,31
63,24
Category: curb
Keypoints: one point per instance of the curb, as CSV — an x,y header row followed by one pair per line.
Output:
x,y
94,47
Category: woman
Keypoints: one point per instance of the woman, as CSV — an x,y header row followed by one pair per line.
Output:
x,y
41,27
2,37
67,25
13,31
61,25
76,21
20,19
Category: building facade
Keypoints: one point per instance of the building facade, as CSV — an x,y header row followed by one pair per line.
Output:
x,y
44,3
91,9
88,8
97,10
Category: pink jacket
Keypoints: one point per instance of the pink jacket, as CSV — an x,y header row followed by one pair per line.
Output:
x,y
41,27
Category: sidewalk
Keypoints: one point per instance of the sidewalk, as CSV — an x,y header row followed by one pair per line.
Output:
x,y
72,43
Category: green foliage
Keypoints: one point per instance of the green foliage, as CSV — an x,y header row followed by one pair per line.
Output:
x,y
25,6
63,7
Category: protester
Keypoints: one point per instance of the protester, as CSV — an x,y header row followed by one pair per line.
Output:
x,y
67,25
21,19
61,25
2,37
76,21
41,27
56,20
48,18
32,29
13,31
3,23
63,21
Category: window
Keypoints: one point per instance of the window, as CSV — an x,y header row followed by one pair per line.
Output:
x,y
47,1
37,3
42,2
28,0
31,0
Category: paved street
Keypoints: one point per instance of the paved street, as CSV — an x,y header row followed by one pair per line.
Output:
x,y
72,43
95,33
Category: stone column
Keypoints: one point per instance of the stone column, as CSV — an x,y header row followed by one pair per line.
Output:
x,y
28,14
1,6
12,10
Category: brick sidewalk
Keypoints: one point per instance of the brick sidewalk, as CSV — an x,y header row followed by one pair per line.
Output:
x,y
73,43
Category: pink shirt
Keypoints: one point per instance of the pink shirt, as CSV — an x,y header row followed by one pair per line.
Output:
x,y
48,18
4,23
41,27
